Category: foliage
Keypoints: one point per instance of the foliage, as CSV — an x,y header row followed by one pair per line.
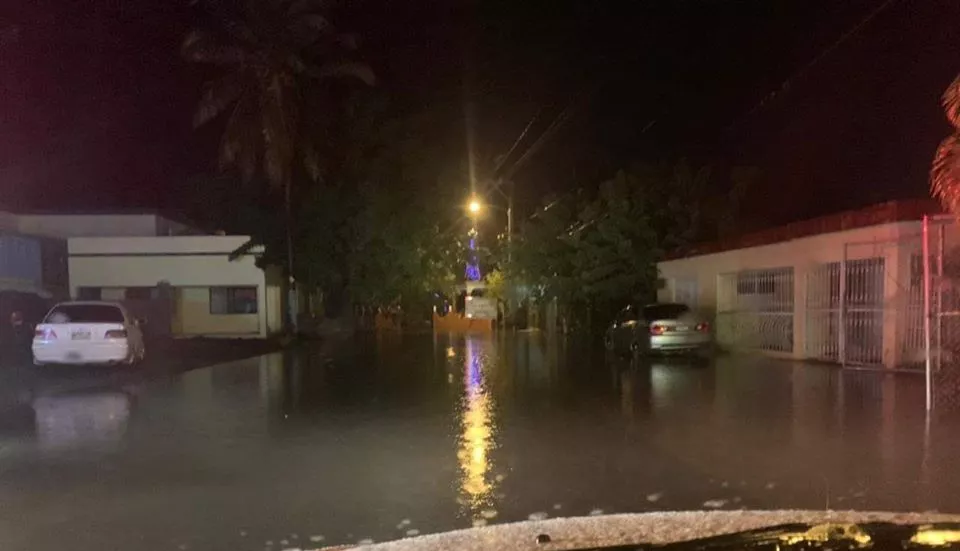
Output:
x,y
270,55
945,173
401,254
496,284
594,253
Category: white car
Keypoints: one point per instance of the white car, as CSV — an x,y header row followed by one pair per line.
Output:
x,y
88,333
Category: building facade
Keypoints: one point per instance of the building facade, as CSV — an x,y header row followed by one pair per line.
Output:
x,y
846,288
188,282
182,282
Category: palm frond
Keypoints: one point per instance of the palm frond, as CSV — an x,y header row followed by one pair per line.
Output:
x,y
202,47
217,96
951,102
945,174
279,115
241,141
311,162
360,71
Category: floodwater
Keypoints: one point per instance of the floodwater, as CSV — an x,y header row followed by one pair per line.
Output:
x,y
380,438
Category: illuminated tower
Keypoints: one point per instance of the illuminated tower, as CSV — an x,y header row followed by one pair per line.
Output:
x,y
473,264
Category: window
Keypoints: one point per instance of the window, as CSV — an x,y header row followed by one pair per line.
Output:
x,y
233,300
85,313
138,293
89,293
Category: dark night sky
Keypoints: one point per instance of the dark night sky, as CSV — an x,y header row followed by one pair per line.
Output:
x,y
95,103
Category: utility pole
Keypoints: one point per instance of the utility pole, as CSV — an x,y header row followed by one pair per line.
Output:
x,y
510,224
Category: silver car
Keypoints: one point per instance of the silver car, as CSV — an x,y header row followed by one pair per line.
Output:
x,y
658,328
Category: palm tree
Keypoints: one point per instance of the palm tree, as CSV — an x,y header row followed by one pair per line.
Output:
x,y
271,55
945,173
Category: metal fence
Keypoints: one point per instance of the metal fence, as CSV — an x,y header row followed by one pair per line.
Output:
x,y
941,281
755,309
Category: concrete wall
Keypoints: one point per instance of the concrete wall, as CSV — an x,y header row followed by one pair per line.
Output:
x,y
894,242
191,265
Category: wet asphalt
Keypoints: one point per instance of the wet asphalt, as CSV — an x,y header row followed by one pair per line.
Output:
x,y
380,438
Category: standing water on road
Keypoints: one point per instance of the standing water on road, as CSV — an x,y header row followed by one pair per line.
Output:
x,y
385,437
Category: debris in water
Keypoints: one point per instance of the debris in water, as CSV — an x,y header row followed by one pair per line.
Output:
x,y
284,542
500,477
317,538
539,515
557,506
243,533
724,484
653,498
413,532
736,499
365,541
596,512
771,485
479,522
405,522
488,514
714,503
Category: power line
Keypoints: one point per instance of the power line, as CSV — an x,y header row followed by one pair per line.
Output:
x,y
785,85
558,122
503,160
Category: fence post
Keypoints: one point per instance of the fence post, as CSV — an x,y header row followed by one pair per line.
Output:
x,y
926,311
842,314
937,301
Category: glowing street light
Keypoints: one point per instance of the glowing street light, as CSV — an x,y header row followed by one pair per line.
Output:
x,y
474,206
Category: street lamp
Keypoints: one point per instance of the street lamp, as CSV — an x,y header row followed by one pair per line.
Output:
x,y
474,206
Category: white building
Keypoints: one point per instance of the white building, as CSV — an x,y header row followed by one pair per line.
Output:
x,y
844,288
183,282
208,294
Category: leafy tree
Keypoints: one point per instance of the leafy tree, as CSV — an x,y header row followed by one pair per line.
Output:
x,y
593,253
617,248
945,173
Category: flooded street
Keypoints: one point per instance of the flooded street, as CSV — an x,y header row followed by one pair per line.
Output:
x,y
380,438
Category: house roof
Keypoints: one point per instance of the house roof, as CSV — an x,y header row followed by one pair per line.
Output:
x,y
882,213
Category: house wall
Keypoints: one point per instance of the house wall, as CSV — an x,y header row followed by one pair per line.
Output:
x,y
191,265
697,279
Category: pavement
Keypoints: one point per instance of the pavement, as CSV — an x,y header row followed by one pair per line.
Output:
x,y
375,439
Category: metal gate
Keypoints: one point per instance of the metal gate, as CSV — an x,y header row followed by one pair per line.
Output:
x,y
859,312
755,309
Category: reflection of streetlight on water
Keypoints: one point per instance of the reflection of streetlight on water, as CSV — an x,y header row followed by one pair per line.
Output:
x,y
477,432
